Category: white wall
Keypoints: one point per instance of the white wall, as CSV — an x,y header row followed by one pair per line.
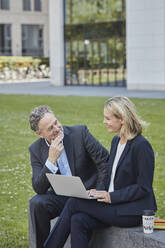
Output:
x,y
145,44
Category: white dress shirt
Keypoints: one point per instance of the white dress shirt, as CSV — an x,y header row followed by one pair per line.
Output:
x,y
120,149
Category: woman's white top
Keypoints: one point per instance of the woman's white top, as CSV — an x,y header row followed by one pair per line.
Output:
x,y
120,149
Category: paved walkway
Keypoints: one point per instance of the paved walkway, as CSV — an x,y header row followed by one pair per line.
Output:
x,y
46,88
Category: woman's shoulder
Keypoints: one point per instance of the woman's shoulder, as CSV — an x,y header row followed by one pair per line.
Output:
x,y
140,141
115,139
140,138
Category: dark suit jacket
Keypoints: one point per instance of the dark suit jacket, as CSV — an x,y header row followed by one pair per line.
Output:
x,y
134,177
86,156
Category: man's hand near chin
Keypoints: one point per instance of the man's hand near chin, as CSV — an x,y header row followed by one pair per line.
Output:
x,y
56,148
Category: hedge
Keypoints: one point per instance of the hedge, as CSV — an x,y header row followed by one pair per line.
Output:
x,y
15,62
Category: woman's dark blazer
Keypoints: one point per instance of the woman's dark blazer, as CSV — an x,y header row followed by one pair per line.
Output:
x,y
134,177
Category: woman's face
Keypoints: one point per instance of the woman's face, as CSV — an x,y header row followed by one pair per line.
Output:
x,y
113,124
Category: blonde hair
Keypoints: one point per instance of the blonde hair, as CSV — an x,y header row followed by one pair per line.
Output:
x,y
122,108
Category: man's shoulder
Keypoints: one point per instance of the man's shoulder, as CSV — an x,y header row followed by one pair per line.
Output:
x,y
37,144
75,128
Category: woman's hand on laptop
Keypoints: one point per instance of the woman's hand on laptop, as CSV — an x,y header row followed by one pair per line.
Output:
x,y
100,195
91,192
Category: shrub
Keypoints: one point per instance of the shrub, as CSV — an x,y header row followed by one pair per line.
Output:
x,y
15,62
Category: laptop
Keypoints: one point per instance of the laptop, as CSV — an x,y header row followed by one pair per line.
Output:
x,y
68,186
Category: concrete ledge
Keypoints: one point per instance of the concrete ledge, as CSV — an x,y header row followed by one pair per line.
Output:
x,y
116,237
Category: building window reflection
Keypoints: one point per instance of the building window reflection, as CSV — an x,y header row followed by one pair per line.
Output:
x,y
32,40
4,4
37,5
5,39
27,5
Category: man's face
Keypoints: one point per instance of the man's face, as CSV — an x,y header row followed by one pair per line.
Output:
x,y
49,127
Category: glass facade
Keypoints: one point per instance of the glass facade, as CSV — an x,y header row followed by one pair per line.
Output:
x,y
32,40
5,39
93,11
95,42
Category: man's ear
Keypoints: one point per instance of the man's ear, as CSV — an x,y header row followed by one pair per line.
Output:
x,y
39,134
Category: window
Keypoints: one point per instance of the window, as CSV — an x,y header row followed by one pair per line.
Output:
x,y
37,5
5,39
26,4
32,40
4,4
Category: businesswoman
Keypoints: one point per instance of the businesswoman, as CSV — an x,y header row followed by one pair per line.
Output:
x,y
129,189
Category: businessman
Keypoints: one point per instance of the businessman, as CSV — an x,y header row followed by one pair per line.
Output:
x,y
60,150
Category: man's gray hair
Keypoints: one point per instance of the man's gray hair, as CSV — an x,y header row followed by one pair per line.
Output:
x,y
36,115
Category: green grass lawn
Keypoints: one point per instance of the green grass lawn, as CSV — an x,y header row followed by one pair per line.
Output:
x,y
16,136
